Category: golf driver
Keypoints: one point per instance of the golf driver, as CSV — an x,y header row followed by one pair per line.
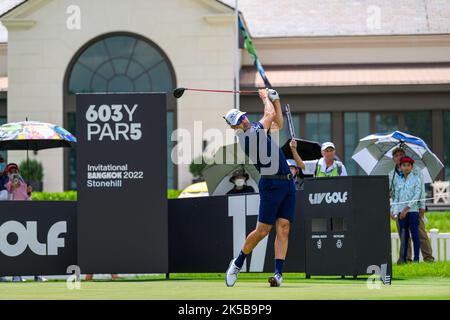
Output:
x,y
178,92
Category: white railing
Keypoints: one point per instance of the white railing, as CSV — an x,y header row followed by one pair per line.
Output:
x,y
441,192
440,244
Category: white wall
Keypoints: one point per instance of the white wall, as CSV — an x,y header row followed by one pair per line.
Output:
x,y
201,53
348,50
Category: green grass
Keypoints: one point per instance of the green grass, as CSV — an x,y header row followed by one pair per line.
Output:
x,y
421,270
72,195
438,220
413,281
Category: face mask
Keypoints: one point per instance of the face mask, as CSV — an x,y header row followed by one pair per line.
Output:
x,y
2,167
239,182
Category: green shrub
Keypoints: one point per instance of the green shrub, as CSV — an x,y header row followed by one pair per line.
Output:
x,y
196,167
31,170
55,196
173,193
72,195
436,220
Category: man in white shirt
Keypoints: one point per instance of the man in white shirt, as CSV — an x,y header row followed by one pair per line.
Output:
x,y
327,166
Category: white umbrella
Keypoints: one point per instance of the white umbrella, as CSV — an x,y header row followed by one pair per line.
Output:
x,y
374,154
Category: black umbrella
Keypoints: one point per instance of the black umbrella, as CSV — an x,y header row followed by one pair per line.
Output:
x,y
308,150
34,145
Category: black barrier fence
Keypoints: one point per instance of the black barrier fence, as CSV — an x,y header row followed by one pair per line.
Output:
x,y
338,230
37,237
205,233
347,226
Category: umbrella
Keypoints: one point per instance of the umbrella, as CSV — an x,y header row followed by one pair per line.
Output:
x,y
374,154
198,189
33,135
225,161
307,150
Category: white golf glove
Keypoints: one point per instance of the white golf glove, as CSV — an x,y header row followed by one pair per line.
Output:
x,y
273,95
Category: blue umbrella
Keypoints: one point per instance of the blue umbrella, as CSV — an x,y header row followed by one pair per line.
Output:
x,y
374,154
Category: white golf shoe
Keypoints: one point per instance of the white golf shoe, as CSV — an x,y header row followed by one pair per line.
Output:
x,y
276,280
232,274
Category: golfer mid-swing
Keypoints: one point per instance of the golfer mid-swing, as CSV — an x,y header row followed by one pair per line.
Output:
x,y
276,186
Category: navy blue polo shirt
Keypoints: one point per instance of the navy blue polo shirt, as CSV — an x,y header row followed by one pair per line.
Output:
x,y
259,146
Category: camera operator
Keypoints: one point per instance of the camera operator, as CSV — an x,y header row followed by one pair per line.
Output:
x,y
16,186
4,194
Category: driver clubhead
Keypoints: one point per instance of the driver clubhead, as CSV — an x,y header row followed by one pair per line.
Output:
x,y
178,92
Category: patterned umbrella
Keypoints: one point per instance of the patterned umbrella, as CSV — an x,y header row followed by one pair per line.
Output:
x,y
33,135
374,154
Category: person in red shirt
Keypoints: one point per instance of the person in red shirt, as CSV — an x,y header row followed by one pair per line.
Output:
x,y
16,186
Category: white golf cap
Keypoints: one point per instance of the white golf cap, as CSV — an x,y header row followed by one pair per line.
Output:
x,y
291,163
233,116
328,144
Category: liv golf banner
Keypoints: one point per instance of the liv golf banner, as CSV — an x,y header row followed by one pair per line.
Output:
x,y
121,169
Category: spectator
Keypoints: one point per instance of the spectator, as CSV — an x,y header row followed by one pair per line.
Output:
x,y
405,207
294,165
16,186
327,166
425,245
4,195
239,178
294,171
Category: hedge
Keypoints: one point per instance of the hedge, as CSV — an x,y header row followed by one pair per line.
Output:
x,y
72,195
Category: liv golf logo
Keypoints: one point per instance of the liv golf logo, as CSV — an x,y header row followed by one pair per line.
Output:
x,y
328,197
27,238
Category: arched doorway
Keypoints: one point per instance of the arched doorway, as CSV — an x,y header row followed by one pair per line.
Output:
x,y
117,62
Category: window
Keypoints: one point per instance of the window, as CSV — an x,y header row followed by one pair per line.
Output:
x,y
318,127
120,63
419,124
356,126
387,122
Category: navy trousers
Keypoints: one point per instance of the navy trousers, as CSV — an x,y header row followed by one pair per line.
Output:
x,y
406,226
